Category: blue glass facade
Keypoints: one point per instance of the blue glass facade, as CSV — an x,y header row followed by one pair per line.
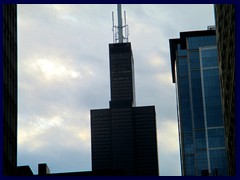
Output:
x,y
200,117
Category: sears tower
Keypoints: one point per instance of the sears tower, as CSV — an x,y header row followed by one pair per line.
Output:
x,y
124,136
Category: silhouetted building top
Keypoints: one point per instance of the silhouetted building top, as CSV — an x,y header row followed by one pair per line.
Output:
x,y
24,171
199,108
109,172
9,89
43,170
225,32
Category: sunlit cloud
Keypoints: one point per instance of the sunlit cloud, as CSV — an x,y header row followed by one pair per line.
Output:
x,y
164,78
34,125
51,69
157,61
62,9
40,133
167,133
65,13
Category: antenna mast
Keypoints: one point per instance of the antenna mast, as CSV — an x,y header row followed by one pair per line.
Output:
x,y
118,36
120,27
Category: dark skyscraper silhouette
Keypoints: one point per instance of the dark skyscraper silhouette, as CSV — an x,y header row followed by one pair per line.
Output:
x,y
9,89
124,136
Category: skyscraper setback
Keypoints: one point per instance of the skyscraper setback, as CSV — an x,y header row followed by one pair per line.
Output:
x,y
124,136
201,128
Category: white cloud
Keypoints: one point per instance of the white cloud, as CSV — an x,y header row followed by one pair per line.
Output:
x,y
164,78
167,136
51,69
168,153
65,130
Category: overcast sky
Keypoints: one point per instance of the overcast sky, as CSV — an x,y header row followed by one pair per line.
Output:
x,y
63,72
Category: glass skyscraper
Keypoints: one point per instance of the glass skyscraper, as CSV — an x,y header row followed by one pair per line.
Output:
x,y
195,72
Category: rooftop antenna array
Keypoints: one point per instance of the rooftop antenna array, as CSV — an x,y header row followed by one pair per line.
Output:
x,y
118,36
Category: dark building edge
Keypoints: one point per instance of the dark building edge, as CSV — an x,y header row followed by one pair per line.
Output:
x,y
43,170
1,87
225,34
9,89
237,87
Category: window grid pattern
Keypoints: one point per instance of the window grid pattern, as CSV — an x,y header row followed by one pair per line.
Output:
x,y
199,108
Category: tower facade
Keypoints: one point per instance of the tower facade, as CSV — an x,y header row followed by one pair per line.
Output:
x,y
124,136
9,89
195,72
121,75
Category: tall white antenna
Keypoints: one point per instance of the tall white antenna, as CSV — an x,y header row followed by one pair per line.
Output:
x,y
118,36
120,27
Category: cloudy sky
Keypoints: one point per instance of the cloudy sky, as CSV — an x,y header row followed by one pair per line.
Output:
x,y
63,72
